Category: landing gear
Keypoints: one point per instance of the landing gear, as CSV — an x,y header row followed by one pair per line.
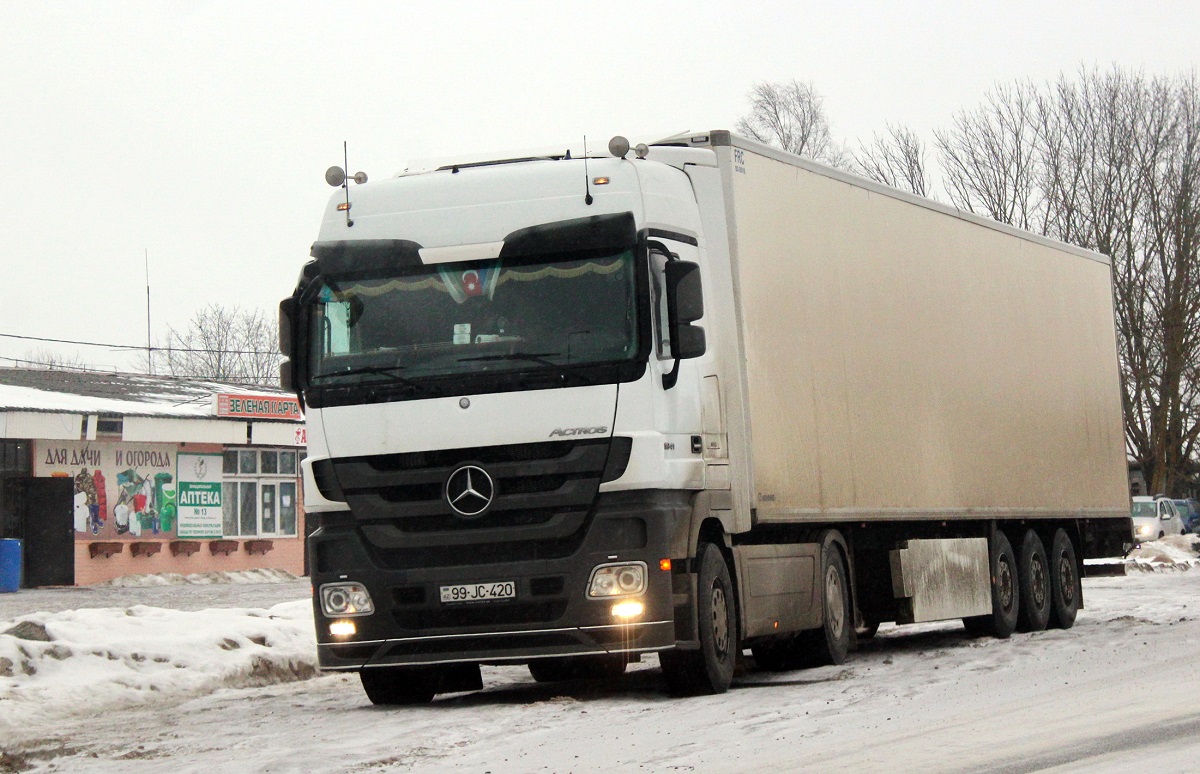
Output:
x,y
709,669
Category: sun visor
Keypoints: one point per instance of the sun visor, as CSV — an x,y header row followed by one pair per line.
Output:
x,y
615,231
364,255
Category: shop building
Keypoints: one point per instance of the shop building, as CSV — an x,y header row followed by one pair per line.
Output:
x,y
104,475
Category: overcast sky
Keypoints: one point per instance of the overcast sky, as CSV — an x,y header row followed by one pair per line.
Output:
x,y
200,131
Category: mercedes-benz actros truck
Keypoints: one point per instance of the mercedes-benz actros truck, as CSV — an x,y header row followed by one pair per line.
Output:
x,y
690,399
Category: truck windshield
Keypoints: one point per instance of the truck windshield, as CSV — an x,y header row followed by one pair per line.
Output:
x,y
469,318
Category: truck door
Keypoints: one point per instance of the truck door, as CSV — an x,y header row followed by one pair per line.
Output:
x,y
715,445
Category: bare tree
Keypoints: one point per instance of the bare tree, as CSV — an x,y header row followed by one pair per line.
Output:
x,y
42,358
897,159
988,157
1109,161
223,344
791,116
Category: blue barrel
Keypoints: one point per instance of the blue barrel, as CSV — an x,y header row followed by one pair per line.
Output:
x,y
10,566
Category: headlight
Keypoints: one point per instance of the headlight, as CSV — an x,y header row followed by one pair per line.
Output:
x,y
617,580
1145,529
341,600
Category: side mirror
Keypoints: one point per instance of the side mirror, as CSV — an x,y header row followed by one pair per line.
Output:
x,y
287,311
685,305
287,369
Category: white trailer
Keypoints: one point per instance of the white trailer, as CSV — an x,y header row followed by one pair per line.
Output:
x,y
698,399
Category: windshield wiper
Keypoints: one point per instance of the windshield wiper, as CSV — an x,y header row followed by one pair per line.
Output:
x,y
383,370
532,357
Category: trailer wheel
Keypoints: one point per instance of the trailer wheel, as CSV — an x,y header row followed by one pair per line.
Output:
x,y
709,669
600,667
1033,581
1006,600
1066,593
400,685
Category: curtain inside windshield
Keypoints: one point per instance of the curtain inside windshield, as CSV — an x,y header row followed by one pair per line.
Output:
x,y
476,316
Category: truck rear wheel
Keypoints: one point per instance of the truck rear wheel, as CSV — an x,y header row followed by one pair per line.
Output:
x,y
817,647
709,669
1006,602
1033,581
1066,593
830,644
600,667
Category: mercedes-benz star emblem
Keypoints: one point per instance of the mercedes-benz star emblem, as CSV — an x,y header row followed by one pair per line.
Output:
x,y
469,491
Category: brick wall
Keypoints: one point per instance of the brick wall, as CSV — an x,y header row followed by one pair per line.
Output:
x,y
285,554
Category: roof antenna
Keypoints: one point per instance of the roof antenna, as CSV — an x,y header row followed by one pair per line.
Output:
x,y
336,176
587,181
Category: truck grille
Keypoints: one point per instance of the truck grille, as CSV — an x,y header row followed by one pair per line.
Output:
x,y
542,494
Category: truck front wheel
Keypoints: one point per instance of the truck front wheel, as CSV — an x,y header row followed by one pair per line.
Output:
x,y
709,669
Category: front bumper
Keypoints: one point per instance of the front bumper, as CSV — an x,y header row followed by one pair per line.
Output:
x,y
550,616
498,646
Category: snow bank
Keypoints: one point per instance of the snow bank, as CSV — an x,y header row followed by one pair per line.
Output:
x,y
203,578
1179,552
78,661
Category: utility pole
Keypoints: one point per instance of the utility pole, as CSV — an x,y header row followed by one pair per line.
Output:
x,y
149,359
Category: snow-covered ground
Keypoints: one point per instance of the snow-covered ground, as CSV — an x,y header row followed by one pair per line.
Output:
x,y
234,687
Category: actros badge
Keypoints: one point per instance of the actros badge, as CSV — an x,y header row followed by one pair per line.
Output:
x,y
469,491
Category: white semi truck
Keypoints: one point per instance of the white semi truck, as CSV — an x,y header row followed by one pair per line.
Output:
x,y
695,399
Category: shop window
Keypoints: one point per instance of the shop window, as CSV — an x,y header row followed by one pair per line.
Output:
x,y
287,507
259,493
14,457
247,510
229,507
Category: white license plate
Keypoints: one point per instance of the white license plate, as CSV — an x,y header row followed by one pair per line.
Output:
x,y
479,592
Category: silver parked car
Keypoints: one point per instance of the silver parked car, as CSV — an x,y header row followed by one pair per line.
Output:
x,y
1154,518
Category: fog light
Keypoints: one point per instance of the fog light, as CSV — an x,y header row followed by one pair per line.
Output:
x,y
339,600
617,580
342,628
630,608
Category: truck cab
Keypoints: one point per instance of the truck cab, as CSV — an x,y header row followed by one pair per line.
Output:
x,y
511,404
